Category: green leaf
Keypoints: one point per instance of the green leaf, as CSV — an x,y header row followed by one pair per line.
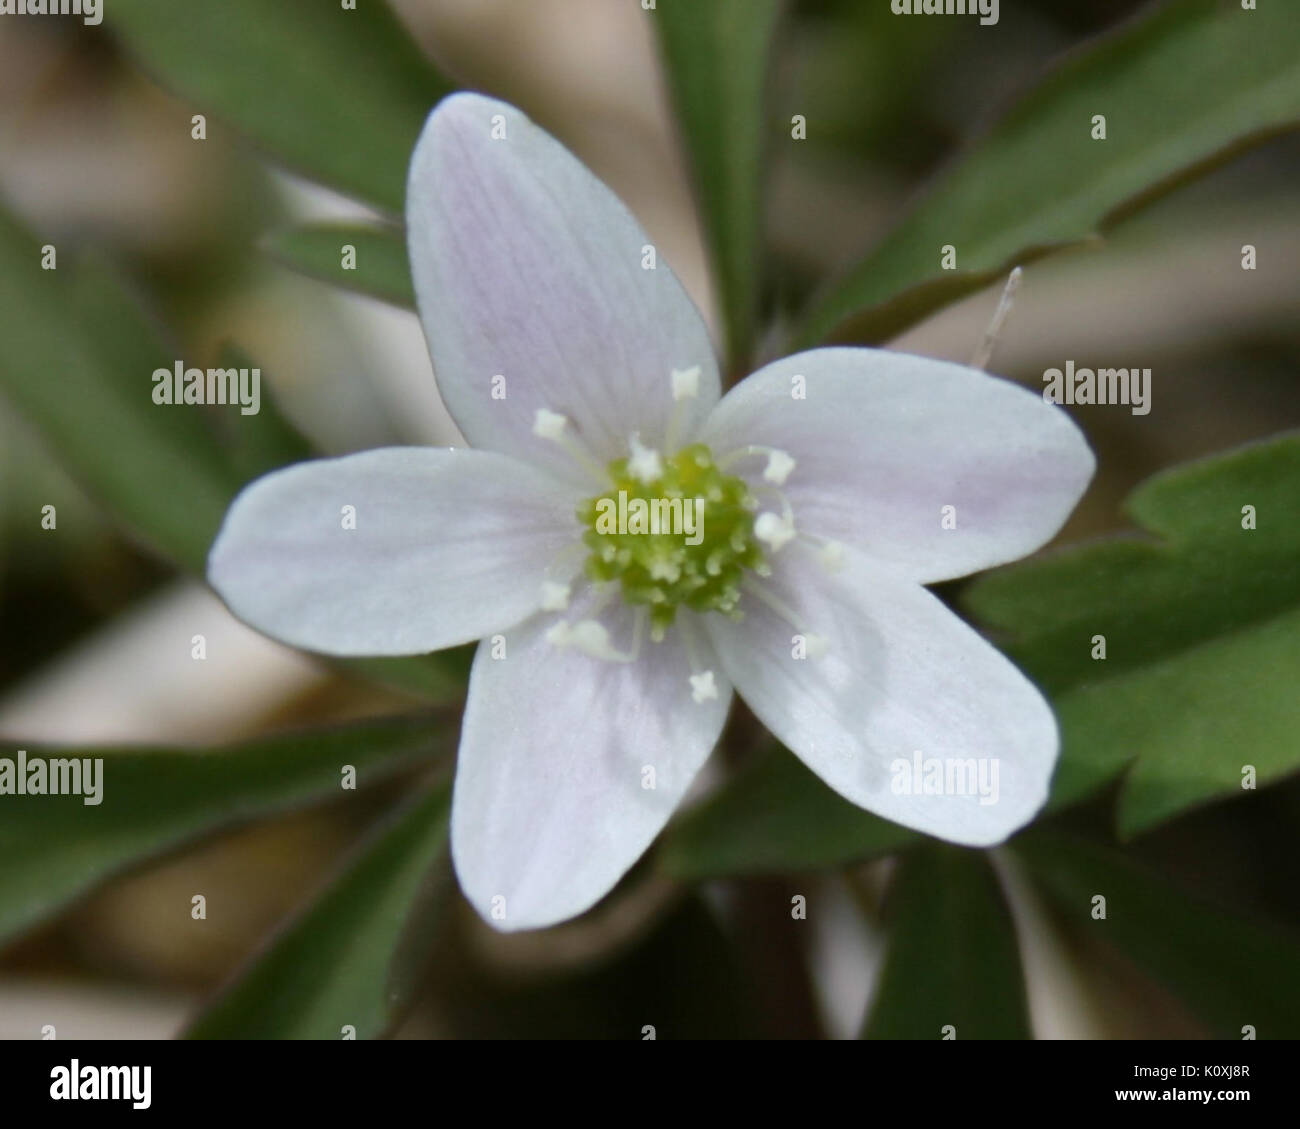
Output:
x,y
1182,88
716,52
1195,721
352,957
775,816
1231,971
1202,636
77,361
55,848
1198,575
953,959
436,679
381,269
339,95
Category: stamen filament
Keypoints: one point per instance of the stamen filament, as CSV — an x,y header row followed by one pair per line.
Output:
x,y
774,602
686,386
704,687
555,427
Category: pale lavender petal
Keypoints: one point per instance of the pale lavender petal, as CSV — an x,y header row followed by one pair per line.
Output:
x,y
569,767
883,442
530,270
392,552
889,674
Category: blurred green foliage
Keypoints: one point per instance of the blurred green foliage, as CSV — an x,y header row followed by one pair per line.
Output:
x,y
1180,89
378,264
952,968
720,109
337,94
348,965
157,800
1200,635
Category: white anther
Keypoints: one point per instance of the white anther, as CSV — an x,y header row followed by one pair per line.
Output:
x,y
589,637
779,466
703,688
555,597
548,424
686,383
592,639
815,646
832,556
644,465
774,529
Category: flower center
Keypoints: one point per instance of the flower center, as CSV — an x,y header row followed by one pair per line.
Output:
x,y
673,530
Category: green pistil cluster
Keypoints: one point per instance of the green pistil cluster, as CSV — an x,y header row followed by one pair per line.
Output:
x,y
640,537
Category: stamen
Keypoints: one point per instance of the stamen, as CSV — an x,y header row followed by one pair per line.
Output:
x,y
775,530
779,466
815,645
592,639
605,594
774,602
830,554
557,579
686,386
688,643
686,383
644,464
779,463
566,562
549,425
703,688
555,597
555,427
638,631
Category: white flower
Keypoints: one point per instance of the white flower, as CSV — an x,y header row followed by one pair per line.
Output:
x,y
825,477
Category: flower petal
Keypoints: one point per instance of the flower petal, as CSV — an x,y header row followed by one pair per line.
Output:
x,y
527,267
899,674
447,546
883,441
551,806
